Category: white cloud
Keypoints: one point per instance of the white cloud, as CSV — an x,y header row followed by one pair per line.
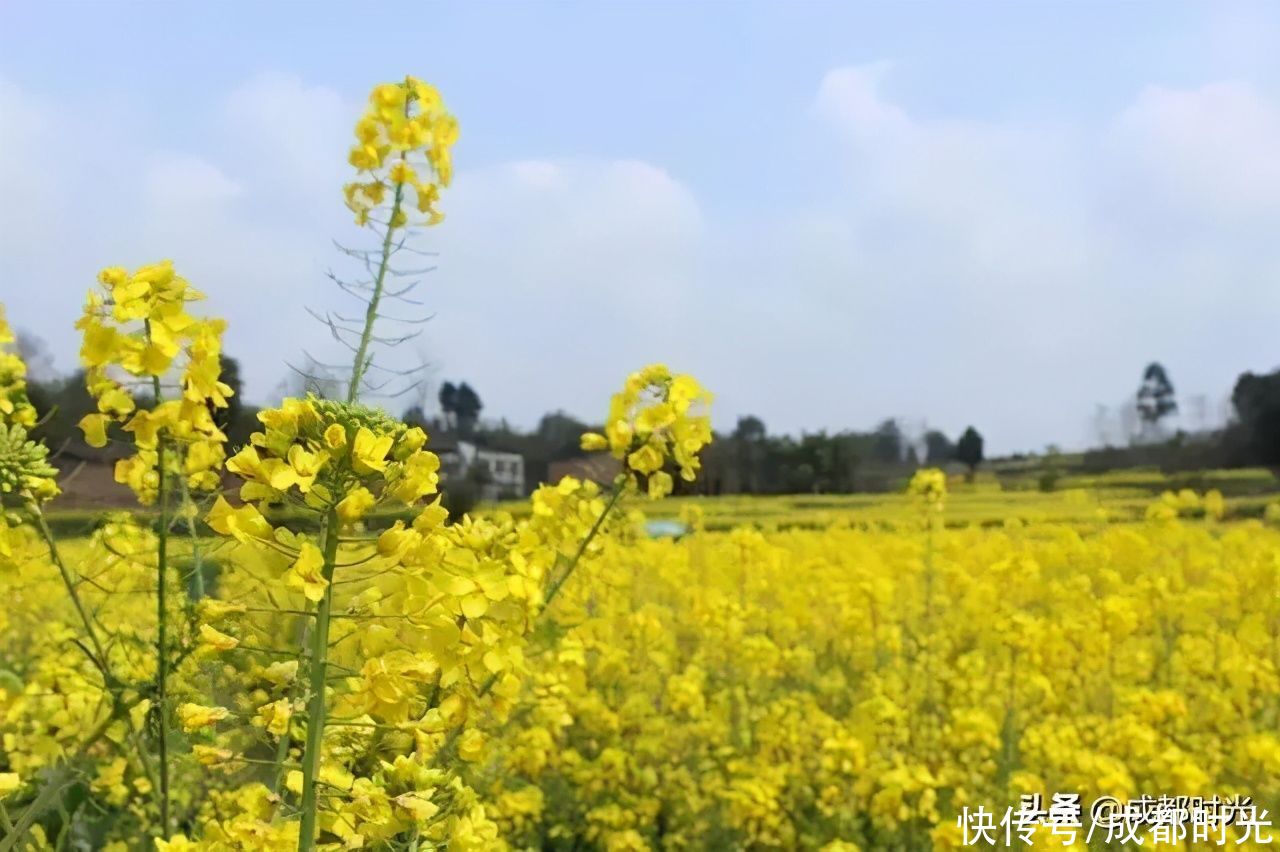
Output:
x,y
1209,150
557,278
26,135
1014,274
293,137
254,244
850,98
176,183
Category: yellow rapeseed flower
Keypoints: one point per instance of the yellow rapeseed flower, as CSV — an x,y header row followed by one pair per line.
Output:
x,y
193,717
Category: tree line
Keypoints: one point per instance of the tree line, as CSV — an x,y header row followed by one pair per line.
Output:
x,y
1250,437
748,459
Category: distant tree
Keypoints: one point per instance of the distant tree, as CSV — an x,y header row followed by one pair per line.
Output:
x,y
749,452
467,407
938,448
44,398
415,416
827,463
60,403
239,419
1051,465
1256,399
231,378
750,428
559,435
887,447
1155,398
848,449
449,404
799,478
969,450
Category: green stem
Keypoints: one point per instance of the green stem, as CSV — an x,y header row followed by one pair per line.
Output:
x,y
56,556
135,739
197,560
618,487
55,782
109,682
162,639
54,786
286,740
311,754
371,313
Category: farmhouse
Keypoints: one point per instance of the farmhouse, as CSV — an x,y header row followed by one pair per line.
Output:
x,y
599,468
499,475
86,477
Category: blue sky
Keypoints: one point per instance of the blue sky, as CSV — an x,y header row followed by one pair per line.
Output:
x,y
832,213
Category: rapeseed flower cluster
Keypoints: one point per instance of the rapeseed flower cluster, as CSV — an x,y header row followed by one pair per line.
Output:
x,y
929,487
418,633
26,476
25,473
15,407
137,331
403,155
657,420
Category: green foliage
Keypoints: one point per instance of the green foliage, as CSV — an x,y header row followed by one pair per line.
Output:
x,y
1155,395
969,450
61,402
201,578
1257,403
938,448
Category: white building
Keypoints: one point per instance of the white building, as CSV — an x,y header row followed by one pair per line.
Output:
x,y
499,474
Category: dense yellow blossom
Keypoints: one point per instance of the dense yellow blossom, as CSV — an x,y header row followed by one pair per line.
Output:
x,y
403,154
426,623
843,686
136,331
658,418
15,407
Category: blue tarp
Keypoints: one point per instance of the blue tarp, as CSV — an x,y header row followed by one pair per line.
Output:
x,y
665,528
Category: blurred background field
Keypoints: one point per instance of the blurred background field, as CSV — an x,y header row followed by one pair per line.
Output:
x,y
992,499
1005,494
